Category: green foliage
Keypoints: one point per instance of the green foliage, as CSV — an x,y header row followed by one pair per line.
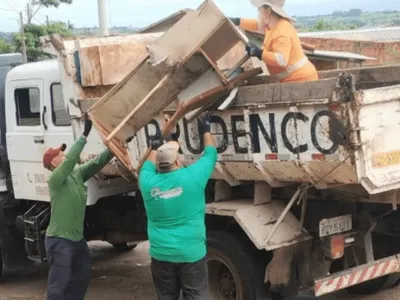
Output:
x,y
323,25
5,47
50,3
341,20
36,5
33,33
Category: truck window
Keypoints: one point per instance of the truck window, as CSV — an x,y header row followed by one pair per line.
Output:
x,y
59,112
27,103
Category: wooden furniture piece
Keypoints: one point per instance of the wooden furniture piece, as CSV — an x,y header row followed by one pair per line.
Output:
x,y
181,65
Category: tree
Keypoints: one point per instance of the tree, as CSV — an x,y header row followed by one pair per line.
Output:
x,y
5,47
35,5
322,25
355,12
32,34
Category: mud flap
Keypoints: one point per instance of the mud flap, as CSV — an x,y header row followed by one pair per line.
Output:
x,y
258,221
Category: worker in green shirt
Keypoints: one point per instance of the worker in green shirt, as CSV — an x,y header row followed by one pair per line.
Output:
x,y
174,199
67,250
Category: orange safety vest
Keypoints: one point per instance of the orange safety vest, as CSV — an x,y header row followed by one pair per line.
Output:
x,y
283,53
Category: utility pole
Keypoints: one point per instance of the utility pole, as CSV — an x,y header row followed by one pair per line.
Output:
x,y
47,21
29,12
24,55
103,17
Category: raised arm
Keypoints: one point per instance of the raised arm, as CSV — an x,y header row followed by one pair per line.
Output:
x,y
202,170
61,173
89,169
149,166
279,56
247,24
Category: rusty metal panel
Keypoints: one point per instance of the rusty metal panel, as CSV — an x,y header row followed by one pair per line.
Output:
x,y
378,116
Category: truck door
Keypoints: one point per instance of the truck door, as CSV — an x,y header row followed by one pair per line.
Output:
x,y
57,121
25,138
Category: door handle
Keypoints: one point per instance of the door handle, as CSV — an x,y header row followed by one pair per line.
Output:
x,y
43,119
38,140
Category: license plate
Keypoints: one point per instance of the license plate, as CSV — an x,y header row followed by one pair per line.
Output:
x,y
335,225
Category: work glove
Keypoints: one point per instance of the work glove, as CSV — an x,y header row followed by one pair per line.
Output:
x,y
253,51
156,143
88,127
235,21
205,123
174,136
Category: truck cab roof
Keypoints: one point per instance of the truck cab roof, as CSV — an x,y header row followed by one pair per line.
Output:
x,y
42,69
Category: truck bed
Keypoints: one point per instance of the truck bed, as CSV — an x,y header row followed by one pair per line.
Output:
x,y
327,133
339,130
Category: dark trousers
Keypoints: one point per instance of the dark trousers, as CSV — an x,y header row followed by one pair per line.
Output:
x,y
172,278
70,269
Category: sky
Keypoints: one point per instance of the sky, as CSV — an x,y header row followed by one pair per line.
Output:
x,y
140,13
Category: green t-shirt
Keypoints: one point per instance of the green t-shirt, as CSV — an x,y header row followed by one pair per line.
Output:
x,y
68,192
175,207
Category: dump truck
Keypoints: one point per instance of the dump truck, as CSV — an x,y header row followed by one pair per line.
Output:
x,y
305,186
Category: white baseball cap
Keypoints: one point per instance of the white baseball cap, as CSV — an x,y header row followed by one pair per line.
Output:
x,y
167,154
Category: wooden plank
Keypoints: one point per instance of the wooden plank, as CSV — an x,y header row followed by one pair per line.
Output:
x,y
117,61
157,88
85,105
215,66
207,81
285,92
221,42
187,35
124,97
115,146
203,100
207,99
90,67
102,65
116,89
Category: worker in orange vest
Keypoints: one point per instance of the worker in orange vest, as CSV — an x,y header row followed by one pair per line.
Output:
x,y
282,51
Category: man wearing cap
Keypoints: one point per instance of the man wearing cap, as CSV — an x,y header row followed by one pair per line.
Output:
x,y
282,51
67,251
175,205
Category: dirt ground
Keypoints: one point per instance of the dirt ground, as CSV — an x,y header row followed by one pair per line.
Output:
x,y
119,276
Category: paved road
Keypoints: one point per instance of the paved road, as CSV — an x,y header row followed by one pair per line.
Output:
x,y
120,276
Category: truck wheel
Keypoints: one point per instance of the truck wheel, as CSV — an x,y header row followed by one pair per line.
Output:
x,y
124,247
233,271
369,287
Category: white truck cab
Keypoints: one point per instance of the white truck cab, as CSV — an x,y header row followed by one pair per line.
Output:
x,y
37,118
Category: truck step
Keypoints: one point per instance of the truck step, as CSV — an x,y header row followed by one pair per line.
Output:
x,y
350,277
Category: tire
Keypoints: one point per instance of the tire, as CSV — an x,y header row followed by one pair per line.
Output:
x,y
235,268
369,287
124,247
